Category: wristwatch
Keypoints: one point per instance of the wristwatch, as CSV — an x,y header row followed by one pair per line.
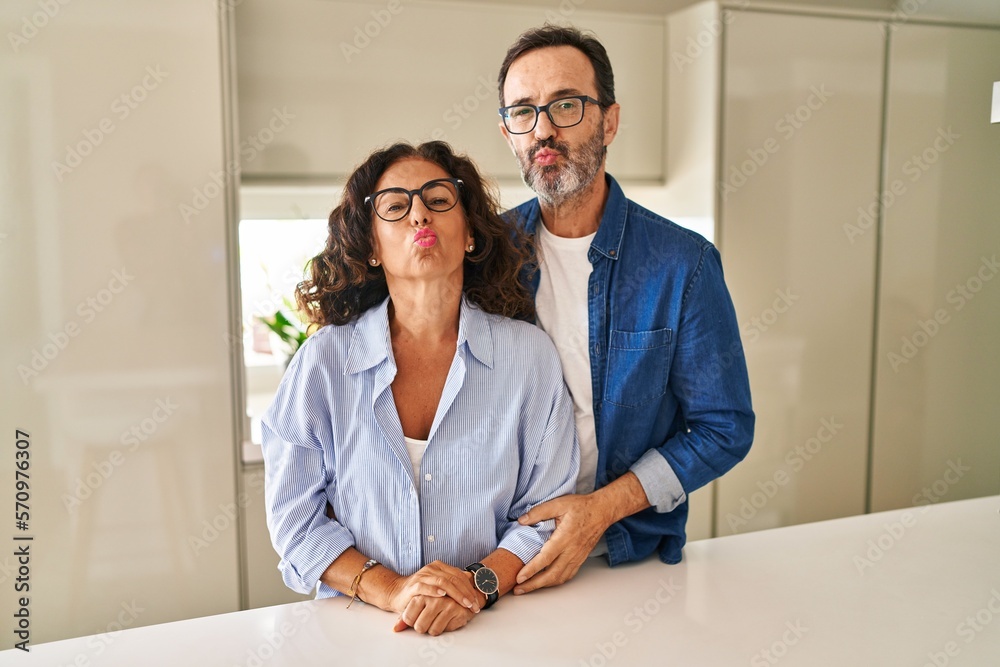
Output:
x,y
486,582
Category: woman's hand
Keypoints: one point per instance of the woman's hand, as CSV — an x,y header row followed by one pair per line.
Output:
x,y
434,580
433,615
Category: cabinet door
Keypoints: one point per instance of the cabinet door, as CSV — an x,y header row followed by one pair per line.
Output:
x,y
114,315
801,133
936,417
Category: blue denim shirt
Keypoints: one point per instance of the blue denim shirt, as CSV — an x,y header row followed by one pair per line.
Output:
x,y
671,392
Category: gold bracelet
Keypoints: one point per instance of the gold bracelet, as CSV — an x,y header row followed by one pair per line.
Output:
x,y
357,580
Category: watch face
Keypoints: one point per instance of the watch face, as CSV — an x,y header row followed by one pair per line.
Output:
x,y
486,581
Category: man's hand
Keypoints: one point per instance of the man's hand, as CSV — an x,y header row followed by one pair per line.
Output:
x,y
580,523
434,580
433,615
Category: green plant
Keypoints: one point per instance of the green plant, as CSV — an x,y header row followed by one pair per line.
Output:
x,y
288,330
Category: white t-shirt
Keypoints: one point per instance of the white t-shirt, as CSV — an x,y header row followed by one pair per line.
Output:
x,y
416,448
561,302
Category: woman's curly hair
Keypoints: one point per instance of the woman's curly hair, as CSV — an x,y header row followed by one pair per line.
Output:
x,y
342,284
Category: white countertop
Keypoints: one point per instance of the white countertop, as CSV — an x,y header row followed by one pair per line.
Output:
x,y
908,587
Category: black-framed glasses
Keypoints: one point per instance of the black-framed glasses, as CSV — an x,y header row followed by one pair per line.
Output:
x,y
394,204
564,112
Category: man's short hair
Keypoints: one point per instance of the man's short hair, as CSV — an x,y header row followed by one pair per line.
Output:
x,y
553,35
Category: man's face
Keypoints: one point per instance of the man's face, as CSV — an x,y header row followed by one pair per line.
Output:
x,y
558,162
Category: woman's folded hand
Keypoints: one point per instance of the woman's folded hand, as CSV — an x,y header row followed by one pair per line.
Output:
x,y
433,615
435,580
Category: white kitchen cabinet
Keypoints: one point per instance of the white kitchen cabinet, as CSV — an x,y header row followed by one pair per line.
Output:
x,y
115,315
801,108
936,418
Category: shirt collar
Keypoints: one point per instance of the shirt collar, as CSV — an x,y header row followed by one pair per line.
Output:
x,y
608,240
371,345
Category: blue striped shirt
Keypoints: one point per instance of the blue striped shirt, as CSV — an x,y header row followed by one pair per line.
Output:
x,y
502,441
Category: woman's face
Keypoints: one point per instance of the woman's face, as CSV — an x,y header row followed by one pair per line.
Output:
x,y
424,244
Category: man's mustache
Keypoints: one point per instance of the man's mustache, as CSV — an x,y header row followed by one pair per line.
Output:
x,y
551,144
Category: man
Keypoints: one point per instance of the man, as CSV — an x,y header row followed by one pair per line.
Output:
x,y
638,309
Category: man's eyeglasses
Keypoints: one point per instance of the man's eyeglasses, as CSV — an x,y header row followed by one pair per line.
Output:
x,y
394,204
564,112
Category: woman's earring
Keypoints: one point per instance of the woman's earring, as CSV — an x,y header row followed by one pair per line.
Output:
x,y
373,261
472,246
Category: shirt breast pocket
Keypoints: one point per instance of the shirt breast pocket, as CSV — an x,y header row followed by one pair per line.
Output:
x,y
638,362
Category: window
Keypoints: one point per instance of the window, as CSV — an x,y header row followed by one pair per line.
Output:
x,y
273,255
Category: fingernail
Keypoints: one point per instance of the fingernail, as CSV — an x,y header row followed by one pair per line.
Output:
x,y
441,593
521,578
467,602
518,591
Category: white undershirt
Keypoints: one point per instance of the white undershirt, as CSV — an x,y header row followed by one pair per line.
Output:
x,y
562,313
561,302
415,448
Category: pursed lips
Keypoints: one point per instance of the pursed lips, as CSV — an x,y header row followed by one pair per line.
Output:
x,y
425,238
545,156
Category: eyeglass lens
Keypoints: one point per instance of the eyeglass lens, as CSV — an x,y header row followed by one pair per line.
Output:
x,y
394,204
562,113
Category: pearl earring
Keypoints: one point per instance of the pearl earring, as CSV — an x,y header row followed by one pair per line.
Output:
x,y
472,246
373,261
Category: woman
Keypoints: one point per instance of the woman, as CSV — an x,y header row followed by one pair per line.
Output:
x,y
413,429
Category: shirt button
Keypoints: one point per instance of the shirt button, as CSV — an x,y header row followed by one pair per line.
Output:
x,y
430,538
427,477
612,253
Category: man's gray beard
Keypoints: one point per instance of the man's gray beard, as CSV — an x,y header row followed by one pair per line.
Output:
x,y
569,180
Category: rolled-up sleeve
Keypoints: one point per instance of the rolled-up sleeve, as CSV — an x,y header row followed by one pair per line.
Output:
x,y
297,484
709,379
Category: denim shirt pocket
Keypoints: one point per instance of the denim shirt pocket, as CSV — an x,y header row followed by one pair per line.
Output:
x,y
638,362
